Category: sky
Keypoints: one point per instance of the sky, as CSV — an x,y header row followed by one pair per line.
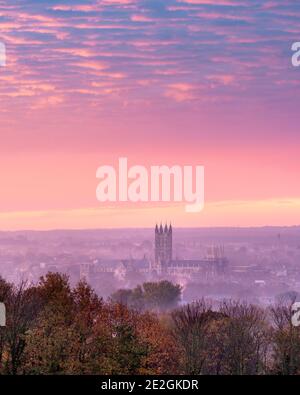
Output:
x,y
161,82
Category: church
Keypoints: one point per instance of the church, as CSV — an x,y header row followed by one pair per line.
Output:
x,y
209,267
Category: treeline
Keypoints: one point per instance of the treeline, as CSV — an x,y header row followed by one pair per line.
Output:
x,y
153,296
55,329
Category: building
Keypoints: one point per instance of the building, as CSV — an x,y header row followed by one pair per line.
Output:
x,y
163,245
118,267
213,265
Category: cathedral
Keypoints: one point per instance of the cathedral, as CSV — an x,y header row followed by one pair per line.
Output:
x,y
211,266
163,247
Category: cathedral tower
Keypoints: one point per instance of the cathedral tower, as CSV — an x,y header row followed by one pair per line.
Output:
x,y
163,247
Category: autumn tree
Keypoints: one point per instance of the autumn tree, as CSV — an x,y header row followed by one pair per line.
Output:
x,y
22,307
55,292
6,291
163,354
286,340
128,347
48,343
246,335
192,324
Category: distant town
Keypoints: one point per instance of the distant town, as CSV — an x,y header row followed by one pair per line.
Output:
x,y
258,265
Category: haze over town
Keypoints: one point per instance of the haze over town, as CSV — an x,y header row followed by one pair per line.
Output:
x,y
259,264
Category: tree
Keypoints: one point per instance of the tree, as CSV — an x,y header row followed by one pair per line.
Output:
x,y
191,331
87,310
286,340
55,292
132,298
6,291
60,342
22,308
152,296
161,296
164,355
246,339
128,347
49,345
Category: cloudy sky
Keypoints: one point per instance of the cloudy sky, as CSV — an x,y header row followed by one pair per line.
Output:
x,y
157,81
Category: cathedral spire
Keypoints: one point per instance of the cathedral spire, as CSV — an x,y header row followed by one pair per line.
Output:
x,y
163,247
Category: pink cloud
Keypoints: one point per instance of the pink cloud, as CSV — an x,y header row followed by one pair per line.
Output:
x,y
92,65
140,18
213,2
225,79
180,92
117,2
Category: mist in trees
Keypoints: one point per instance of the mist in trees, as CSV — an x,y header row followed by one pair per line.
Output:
x,y
53,328
159,296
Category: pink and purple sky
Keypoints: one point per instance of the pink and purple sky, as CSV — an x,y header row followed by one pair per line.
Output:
x,y
160,82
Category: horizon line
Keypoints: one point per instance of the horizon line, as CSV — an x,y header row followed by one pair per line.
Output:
x,y
146,228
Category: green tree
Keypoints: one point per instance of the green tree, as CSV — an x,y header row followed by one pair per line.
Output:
x,y
161,296
156,296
